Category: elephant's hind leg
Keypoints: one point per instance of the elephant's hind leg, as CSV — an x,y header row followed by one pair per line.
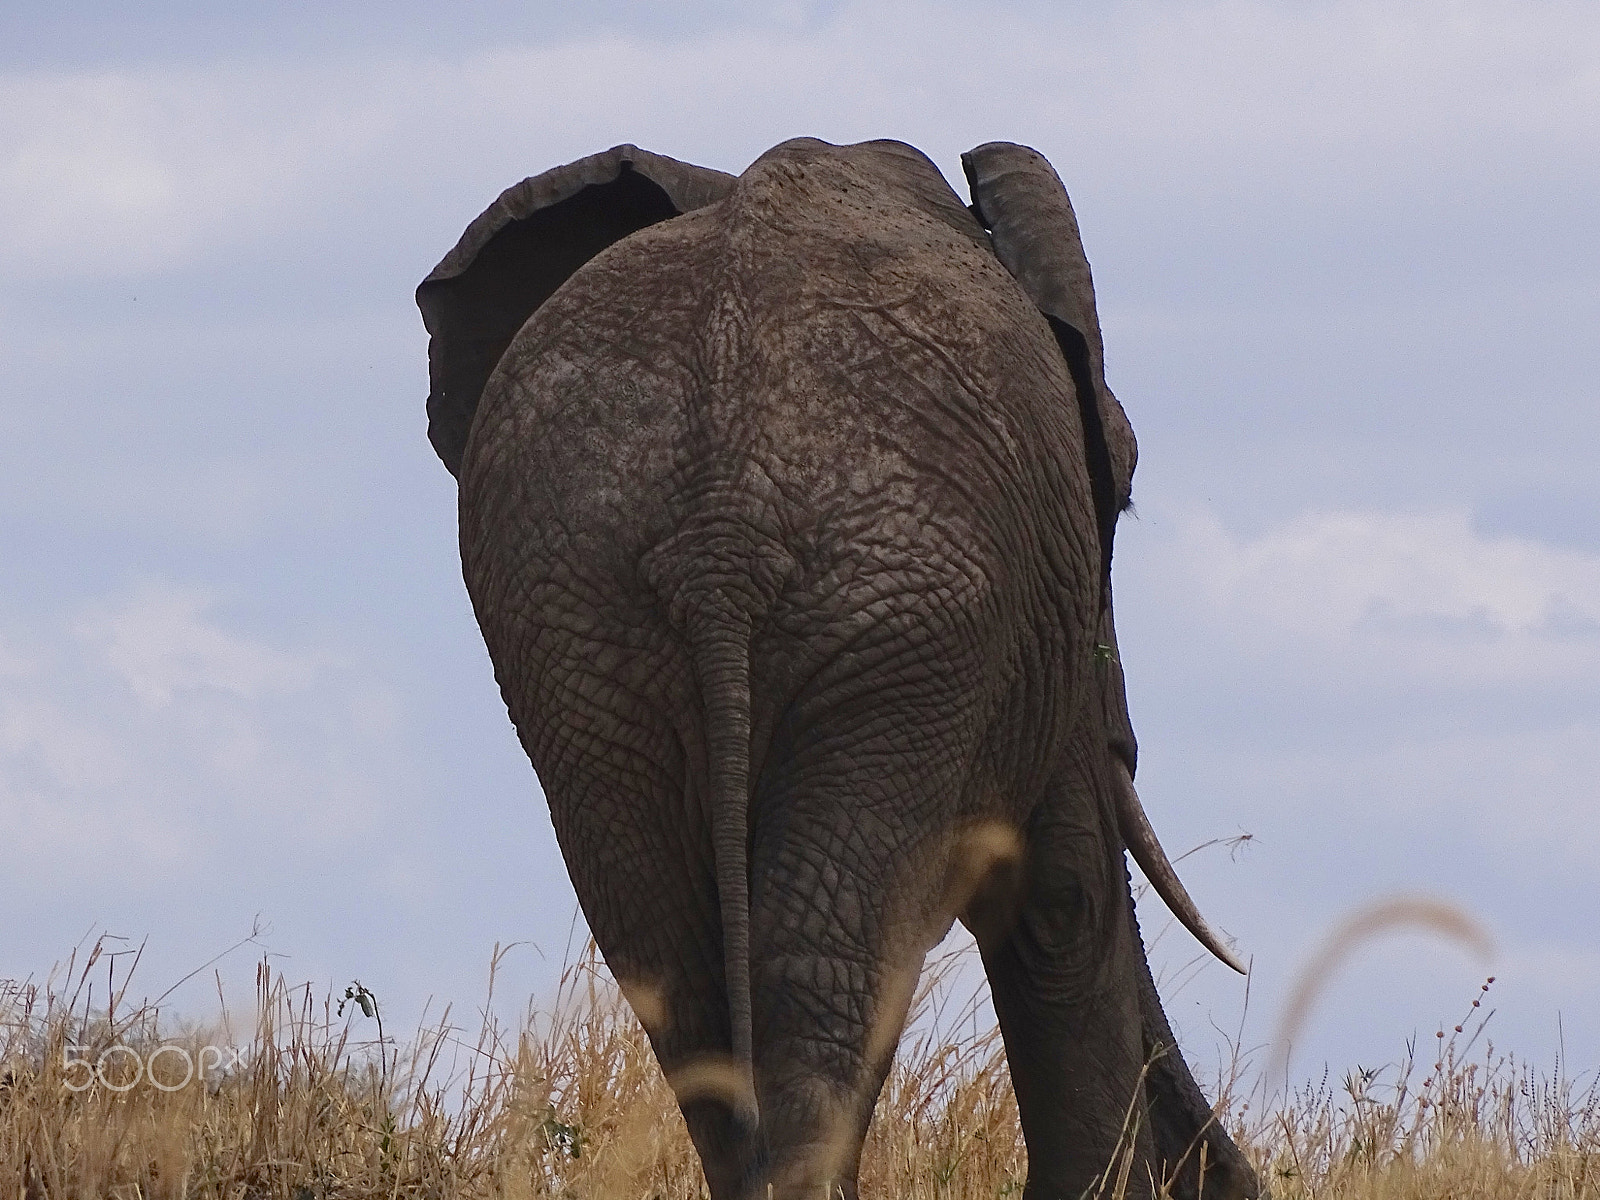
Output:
x,y
846,863
1064,984
627,810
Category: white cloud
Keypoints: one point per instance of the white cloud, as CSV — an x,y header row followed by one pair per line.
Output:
x,y
14,664
1346,79
161,642
1419,593
1526,795
1395,687
106,173
53,746
159,738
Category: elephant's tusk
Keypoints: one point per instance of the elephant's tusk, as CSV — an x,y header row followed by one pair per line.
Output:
x,y
1152,859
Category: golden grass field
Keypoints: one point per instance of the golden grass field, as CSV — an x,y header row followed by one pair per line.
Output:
x,y
573,1105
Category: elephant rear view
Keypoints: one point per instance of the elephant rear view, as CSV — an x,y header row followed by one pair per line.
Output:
x,y
787,505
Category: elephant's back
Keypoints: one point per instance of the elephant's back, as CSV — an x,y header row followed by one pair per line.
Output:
x,y
830,350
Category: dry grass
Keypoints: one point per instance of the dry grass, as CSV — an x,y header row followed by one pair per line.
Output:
x,y
572,1105
1476,1125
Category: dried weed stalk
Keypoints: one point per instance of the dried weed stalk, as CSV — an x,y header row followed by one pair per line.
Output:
x,y
572,1105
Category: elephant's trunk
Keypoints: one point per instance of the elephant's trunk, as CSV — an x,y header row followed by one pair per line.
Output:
x,y
1157,867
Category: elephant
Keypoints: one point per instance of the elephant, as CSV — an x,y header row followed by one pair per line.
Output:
x,y
786,508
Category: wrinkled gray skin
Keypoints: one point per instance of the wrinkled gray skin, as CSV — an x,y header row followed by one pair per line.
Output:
x,y
787,525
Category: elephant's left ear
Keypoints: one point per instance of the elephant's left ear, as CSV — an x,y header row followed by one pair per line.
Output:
x,y
524,246
1018,197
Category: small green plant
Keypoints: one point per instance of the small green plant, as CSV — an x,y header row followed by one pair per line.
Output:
x,y
561,1137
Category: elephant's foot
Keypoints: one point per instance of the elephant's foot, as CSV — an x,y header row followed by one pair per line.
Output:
x,y
811,1178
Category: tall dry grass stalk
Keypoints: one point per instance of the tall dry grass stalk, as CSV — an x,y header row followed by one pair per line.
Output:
x,y
572,1105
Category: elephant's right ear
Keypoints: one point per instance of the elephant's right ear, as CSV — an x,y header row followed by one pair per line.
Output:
x,y
524,246
1018,197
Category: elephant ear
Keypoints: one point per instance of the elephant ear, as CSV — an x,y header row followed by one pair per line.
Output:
x,y
1018,197
524,246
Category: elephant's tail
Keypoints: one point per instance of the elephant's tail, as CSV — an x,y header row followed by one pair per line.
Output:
x,y
722,656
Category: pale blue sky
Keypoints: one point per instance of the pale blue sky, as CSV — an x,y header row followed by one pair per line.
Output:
x,y
1349,277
